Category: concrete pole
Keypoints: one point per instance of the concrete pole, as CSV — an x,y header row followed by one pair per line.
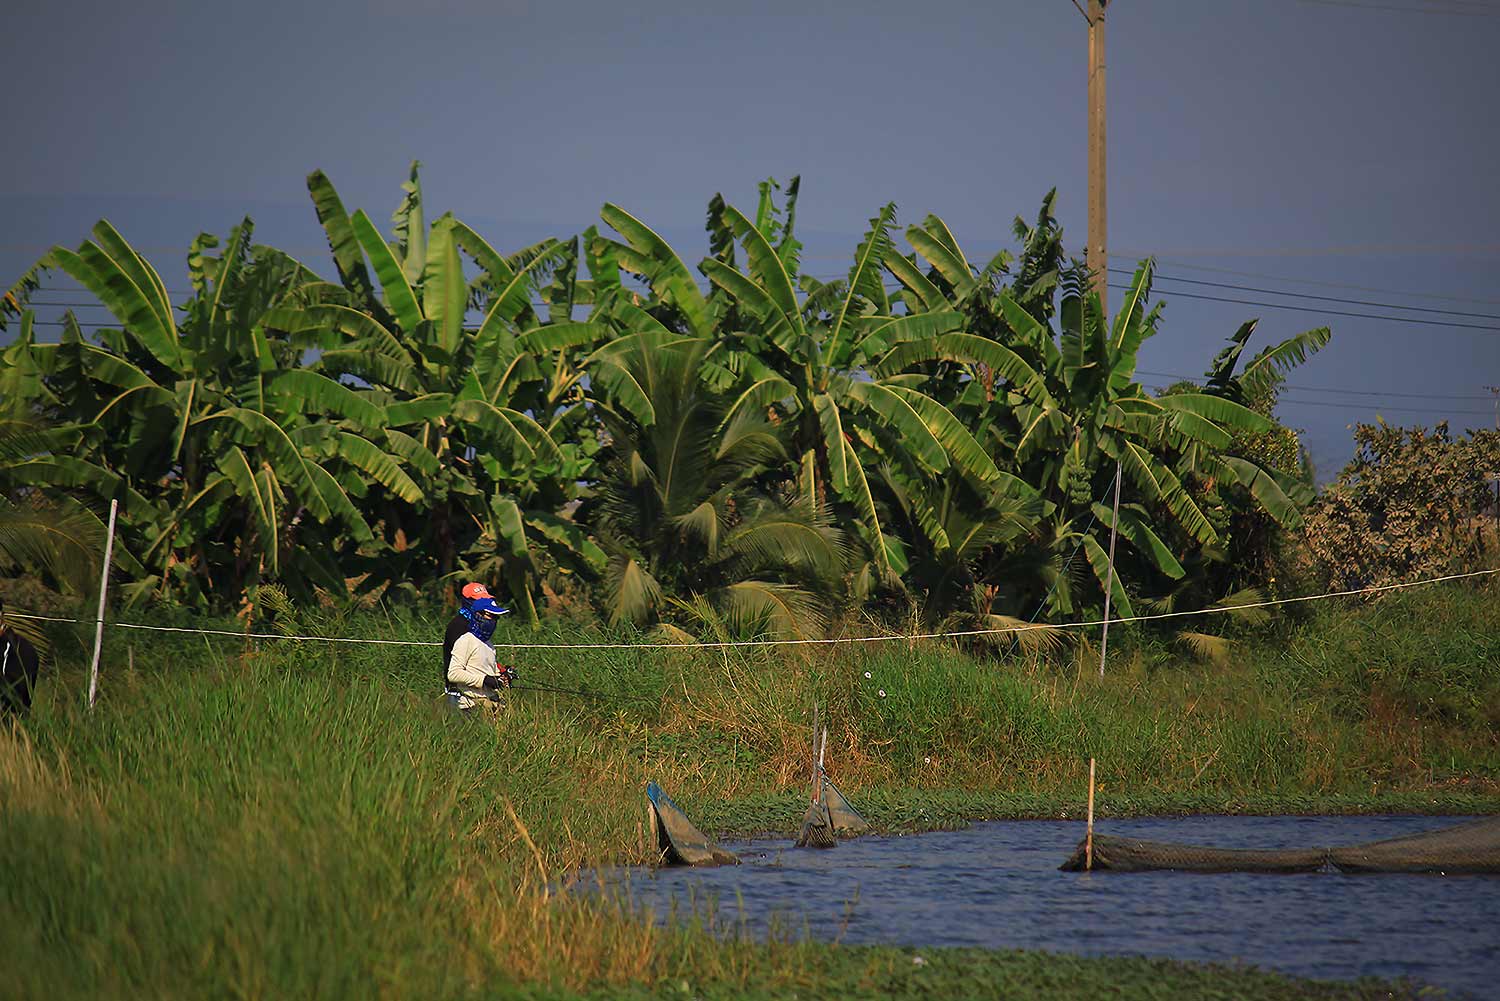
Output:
x,y
1097,255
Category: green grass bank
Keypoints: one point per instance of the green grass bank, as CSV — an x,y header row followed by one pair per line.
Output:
x,y
302,819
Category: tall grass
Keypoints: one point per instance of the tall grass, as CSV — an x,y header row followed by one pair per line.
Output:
x,y
305,819
267,832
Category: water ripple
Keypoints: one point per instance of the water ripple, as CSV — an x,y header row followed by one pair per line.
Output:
x,y
996,885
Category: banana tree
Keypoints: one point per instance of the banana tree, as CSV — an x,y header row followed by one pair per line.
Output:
x,y
1061,408
476,412
957,538
804,352
1254,543
229,460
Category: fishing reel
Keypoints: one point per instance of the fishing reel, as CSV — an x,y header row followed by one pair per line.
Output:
x,y
508,674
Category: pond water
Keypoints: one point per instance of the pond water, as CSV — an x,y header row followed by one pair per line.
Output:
x,y
997,885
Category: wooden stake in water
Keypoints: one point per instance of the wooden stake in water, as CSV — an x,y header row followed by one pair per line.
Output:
x,y
1088,840
1110,586
109,549
818,774
653,839
815,754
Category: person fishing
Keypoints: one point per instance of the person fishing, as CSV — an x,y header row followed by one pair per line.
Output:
x,y
19,666
472,676
459,624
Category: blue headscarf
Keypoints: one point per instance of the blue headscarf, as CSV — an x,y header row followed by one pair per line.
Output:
x,y
483,626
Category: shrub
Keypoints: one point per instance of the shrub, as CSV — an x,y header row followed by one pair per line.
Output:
x,y
1409,505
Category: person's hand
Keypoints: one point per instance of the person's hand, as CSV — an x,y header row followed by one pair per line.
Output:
x,y
494,681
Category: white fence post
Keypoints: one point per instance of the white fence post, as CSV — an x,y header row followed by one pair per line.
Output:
x,y
1110,583
109,548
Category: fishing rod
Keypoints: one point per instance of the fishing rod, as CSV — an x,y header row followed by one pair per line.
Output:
x,y
580,692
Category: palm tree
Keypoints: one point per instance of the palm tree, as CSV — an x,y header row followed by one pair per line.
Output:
x,y
687,506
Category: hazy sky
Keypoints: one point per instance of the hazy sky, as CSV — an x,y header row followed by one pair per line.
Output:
x,y
1337,148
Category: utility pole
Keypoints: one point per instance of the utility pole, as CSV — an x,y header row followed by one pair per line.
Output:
x,y
1096,253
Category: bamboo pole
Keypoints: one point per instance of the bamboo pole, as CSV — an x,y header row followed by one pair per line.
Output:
x,y
109,548
652,842
818,775
1088,840
815,753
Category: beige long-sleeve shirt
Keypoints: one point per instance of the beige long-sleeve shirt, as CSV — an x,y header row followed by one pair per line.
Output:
x,y
472,661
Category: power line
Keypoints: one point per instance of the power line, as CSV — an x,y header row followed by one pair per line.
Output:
x,y
1377,250
1372,406
1415,321
1361,5
892,285
96,325
1321,298
1330,312
1327,389
73,305
1322,284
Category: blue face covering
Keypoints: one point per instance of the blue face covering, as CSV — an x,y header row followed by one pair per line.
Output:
x,y
482,626
482,615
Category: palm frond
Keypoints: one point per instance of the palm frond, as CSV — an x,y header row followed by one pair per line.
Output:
x,y
633,594
767,608
789,539
58,537
1206,646
1237,603
1033,639
701,524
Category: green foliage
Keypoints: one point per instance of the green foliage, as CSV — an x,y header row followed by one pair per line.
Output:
x,y
1411,504
220,478
683,509
1408,661
1058,409
844,414
41,533
587,415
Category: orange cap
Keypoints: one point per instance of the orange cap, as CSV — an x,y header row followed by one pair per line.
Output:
x,y
475,590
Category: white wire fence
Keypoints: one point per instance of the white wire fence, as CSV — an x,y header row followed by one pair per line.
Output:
x,y
818,641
